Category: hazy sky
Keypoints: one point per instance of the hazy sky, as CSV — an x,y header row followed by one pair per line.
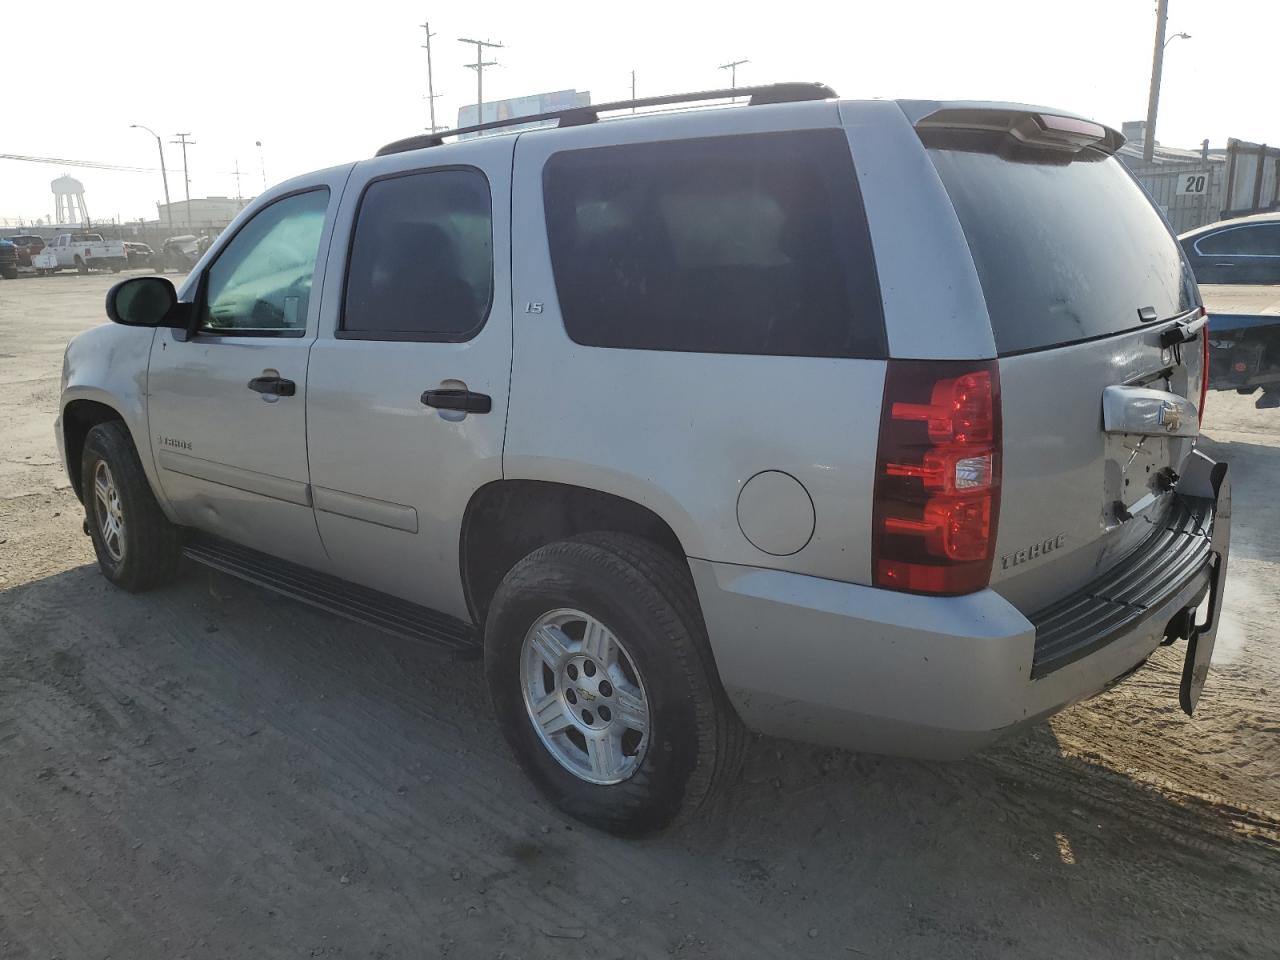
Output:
x,y
321,83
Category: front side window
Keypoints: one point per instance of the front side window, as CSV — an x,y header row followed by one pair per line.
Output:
x,y
1262,240
751,244
421,265
260,285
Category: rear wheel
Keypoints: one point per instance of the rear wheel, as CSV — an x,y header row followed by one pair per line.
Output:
x,y
603,682
136,545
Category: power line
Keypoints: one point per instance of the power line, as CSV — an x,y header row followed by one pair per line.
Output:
x,y
92,164
99,165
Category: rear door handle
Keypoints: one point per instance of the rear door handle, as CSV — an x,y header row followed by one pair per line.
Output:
x,y
273,386
464,400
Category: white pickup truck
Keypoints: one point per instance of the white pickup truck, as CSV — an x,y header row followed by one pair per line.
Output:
x,y
84,251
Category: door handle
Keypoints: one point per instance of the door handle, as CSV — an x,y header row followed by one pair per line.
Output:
x,y
273,386
464,400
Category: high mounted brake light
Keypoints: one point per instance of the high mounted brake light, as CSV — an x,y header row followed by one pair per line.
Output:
x,y
937,494
1049,132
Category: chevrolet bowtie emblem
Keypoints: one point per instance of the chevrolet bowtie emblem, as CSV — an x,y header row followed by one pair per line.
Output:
x,y
1169,417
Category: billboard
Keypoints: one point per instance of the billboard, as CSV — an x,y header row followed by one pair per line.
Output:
x,y
522,107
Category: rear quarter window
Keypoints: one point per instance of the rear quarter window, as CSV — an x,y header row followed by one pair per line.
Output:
x,y
741,244
1065,251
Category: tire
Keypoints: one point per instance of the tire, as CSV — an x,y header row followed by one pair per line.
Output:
x,y
645,599
146,554
81,266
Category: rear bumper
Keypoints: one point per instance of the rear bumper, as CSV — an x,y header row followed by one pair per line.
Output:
x,y
940,677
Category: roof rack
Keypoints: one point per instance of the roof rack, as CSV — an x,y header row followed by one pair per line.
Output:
x,y
578,116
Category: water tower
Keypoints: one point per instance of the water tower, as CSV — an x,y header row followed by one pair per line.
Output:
x,y
68,202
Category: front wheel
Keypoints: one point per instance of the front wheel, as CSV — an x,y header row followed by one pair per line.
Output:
x,y
604,685
137,546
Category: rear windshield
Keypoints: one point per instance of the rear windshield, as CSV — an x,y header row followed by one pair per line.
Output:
x,y
1065,251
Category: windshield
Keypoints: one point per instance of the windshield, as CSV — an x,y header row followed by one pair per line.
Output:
x,y
1065,251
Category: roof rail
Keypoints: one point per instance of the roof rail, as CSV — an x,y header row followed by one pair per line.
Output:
x,y
577,116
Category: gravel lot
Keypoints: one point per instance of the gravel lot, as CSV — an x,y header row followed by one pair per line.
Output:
x,y
212,771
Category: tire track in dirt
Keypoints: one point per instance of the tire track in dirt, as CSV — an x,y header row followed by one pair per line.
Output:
x,y
357,786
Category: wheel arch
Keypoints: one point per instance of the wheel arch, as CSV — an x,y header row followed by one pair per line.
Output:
x,y
507,520
79,416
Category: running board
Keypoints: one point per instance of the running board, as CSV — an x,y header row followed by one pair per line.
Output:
x,y
370,607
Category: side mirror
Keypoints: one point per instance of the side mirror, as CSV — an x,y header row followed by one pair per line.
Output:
x,y
143,302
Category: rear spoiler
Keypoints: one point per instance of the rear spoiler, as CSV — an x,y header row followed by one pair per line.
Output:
x,y
1038,127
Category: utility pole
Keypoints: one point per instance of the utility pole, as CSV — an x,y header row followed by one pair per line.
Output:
x,y
732,67
478,67
633,88
262,163
1157,64
164,174
182,139
237,178
431,87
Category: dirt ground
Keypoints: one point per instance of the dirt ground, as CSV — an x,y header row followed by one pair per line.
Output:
x,y
212,771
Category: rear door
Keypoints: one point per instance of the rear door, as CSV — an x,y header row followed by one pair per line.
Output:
x,y
1081,276
699,329
407,397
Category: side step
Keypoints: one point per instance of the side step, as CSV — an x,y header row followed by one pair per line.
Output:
x,y
371,607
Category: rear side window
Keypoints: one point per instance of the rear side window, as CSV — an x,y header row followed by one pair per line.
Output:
x,y
1065,251
745,244
1262,240
421,265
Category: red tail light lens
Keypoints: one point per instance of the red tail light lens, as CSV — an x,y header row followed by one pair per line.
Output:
x,y
1204,369
937,496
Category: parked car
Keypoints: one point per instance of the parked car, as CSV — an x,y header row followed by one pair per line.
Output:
x,y
8,259
83,251
138,254
1244,250
28,246
868,423
177,253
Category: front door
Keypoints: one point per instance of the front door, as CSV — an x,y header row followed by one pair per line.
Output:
x,y
227,408
407,396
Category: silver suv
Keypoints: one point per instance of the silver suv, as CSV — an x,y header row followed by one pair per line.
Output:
x,y
870,424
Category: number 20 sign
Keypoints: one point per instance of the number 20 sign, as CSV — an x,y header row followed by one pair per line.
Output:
x,y
1195,183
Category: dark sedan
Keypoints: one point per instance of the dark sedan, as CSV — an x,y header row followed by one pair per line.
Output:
x,y
1246,250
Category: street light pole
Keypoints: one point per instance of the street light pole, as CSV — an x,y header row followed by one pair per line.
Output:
x,y
164,175
1153,97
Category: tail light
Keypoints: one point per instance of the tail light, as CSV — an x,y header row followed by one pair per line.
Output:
x,y
1204,366
937,493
